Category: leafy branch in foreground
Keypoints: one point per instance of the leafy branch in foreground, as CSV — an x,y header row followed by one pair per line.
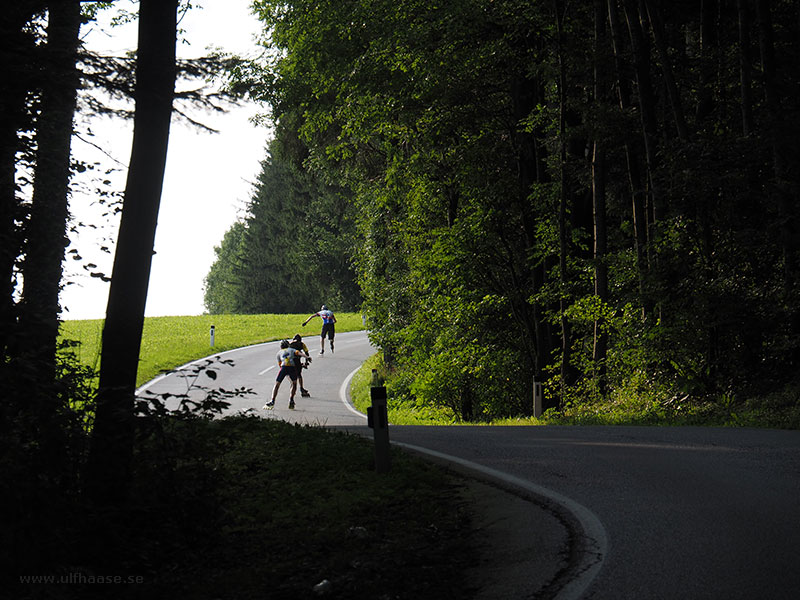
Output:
x,y
198,401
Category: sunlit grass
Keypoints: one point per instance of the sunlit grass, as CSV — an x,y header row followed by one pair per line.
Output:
x,y
169,342
400,412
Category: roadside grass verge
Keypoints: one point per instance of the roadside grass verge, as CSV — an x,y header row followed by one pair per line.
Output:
x,y
246,508
169,342
400,412
774,410
635,406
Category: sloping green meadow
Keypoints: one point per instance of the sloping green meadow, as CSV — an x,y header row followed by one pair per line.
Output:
x,y
169,342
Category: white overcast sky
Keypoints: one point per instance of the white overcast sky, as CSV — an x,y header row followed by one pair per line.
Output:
x,y
208,182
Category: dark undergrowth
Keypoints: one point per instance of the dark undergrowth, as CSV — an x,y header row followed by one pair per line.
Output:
x,y
250,508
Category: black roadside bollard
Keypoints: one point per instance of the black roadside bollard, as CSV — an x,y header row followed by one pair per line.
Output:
x,y
211,335
378,420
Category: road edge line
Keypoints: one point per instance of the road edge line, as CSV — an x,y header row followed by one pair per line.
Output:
x,y
595,547
147,384
344,393
595,539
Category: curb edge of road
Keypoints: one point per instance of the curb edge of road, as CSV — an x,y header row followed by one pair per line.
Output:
x,y
587,540
148,384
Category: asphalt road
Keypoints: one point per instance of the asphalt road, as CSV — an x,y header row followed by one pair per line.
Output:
x,y
688,513
672,513
255,368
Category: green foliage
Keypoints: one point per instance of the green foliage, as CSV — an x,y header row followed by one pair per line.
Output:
x,y
404,409
293,248
220,295
42,451
472,185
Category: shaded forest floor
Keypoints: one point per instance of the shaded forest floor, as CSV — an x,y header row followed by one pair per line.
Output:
x,y
251,508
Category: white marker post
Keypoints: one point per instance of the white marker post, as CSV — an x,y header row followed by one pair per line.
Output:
x,y
538,399
212,336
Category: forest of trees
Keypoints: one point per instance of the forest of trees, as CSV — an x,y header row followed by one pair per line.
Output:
x,y
293,251
599,195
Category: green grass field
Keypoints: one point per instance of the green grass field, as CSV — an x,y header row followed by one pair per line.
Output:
x,y
169,342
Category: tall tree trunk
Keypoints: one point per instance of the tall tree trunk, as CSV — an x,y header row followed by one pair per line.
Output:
x,y
781,153
566,371
17,47
660,39
599,198
109,466
775,126
647,103
637,186
709,48
745,68
526,94
47,227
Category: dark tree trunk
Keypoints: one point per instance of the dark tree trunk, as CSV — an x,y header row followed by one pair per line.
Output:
x,y
745,67
637,186
526,94
709,48
112,442
47,227
599,197
660,39
647,102
783,183
566,342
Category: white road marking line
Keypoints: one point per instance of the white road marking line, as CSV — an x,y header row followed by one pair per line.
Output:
x,y
267,369
343,394
158,378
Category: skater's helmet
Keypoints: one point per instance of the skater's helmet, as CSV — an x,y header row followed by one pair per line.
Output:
x,y
284,344
324,307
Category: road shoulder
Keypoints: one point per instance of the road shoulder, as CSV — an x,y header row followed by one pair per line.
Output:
x,y
523,546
